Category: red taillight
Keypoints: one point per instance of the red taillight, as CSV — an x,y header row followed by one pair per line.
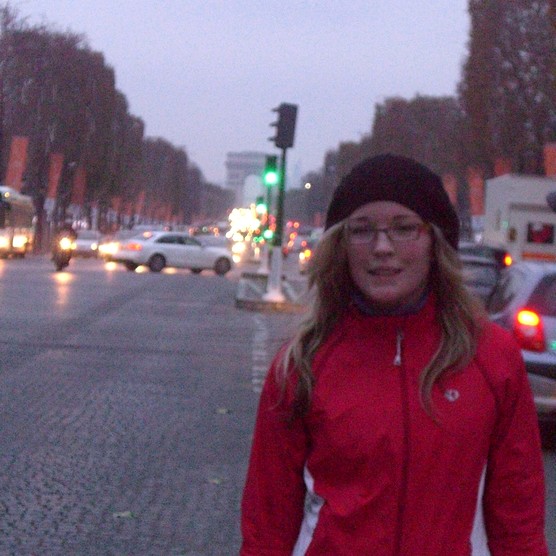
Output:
x,y
133,246
528,330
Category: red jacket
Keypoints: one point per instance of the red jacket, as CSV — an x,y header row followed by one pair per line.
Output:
x,y
376,474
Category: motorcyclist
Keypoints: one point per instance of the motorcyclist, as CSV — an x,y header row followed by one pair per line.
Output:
x,y
65,230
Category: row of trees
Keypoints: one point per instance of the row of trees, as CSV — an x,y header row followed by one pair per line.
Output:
x,y
504,112
62,96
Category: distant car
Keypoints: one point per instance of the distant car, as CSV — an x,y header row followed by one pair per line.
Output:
x,y
480,274
497,254
306,254
524,302
86,243
158,250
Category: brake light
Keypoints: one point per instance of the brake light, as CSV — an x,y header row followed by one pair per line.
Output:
x,y
133,246
529,330
508,259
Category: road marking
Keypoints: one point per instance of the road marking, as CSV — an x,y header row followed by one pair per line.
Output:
x,y
259,353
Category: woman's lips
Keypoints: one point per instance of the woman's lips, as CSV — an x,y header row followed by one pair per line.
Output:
x,y
384,271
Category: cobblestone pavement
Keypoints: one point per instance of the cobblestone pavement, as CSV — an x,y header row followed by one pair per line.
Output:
x,y
126,408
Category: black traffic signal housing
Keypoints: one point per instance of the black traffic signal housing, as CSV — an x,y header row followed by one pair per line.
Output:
x,y
285,125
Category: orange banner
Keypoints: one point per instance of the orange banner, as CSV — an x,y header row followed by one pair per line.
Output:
x,y
127,208
16,163
79,185
502,166
140,204
451,187
116,202
54,174
549,152
476,186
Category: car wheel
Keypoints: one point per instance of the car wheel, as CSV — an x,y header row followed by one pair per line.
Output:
x,y
196,270
157,263
222,266
130,266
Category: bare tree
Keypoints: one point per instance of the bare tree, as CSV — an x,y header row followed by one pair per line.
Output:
x,y
508,87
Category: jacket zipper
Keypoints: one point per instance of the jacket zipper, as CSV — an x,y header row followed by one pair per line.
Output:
x,y
404,391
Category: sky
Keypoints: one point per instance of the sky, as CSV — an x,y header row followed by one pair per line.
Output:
x,y
206,74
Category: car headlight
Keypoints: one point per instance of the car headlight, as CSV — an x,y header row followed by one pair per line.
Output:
x,y
19,241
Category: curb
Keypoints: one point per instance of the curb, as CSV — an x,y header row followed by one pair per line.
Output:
x,y
252,287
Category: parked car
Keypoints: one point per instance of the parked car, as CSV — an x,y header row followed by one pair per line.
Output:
x,y
86,243
524,302
498,254
480,274
158,250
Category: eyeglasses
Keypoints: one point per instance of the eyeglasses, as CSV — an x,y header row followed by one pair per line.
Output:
x,y
359,232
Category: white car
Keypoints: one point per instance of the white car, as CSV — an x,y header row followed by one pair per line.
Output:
x,y
158,250
86,243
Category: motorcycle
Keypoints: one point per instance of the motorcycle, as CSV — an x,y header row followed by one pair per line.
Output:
x,y
62,252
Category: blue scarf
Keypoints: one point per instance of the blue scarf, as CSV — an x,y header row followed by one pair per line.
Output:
x,y
369,309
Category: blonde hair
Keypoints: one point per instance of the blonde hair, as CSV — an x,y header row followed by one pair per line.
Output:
x,y
460,315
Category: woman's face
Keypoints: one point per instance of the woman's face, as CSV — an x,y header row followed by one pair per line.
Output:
x,y
390,271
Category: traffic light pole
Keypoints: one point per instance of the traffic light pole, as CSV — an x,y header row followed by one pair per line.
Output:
x,y
274,284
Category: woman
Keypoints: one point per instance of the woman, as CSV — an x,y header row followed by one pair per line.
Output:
x,y
398,420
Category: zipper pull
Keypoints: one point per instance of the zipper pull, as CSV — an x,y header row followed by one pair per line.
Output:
x,y
398,357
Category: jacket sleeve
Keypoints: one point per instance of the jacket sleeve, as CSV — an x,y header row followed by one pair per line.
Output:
x,y
514,492
274,494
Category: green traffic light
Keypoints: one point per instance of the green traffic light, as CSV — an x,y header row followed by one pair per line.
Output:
x,y
270,174
271,177
268,234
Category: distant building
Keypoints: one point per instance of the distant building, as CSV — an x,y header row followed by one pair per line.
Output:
x,y
239,167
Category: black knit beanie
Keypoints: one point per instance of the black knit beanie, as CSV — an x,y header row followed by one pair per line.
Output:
x,y
395,178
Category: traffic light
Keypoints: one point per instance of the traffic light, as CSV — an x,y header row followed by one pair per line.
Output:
x,y
285,126
268,234
260,206
270,176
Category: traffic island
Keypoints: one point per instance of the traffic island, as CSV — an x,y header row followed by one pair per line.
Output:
x,y
252,290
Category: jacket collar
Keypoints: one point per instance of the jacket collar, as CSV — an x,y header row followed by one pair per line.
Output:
x,y
368,309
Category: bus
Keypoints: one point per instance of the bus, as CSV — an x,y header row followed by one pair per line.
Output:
x,y
17,223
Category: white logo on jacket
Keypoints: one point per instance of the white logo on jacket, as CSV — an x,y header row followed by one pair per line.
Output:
x,y
451,394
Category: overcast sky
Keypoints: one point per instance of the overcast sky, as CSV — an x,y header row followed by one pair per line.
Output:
x,y
205,74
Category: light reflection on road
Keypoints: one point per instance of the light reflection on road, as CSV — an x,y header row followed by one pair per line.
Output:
x,y
63,280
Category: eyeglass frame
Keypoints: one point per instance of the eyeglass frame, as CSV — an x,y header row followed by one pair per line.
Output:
x,y
419,228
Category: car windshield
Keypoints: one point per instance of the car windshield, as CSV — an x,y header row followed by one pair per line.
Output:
x,y
87,234
213,241
543,299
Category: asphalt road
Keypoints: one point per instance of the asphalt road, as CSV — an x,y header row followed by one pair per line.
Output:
x,y
127,403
